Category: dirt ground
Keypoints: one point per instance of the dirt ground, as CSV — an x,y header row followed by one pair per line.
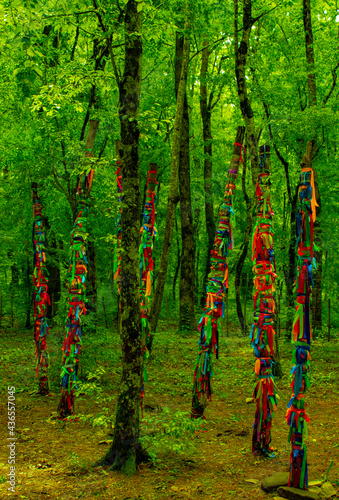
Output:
x,y
54,458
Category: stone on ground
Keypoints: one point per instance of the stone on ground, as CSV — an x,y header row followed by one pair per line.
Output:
x,y
273,482
327,491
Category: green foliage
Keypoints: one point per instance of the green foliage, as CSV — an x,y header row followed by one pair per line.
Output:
x,y
170,431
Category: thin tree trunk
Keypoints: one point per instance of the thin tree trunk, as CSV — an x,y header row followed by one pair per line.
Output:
x,y
173,190
177,269
243,254
312,103
240,67
187,274
205,110
196,250
251,137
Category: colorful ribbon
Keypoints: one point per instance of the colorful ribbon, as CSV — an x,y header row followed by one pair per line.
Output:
x,y
40,295
296,416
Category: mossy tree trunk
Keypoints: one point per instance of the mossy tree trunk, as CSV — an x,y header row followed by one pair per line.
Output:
x,y
125,451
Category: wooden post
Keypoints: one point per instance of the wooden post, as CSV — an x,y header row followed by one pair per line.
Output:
x,y
329,320
103,303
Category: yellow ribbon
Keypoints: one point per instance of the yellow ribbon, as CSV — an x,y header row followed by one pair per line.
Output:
x,y
313,200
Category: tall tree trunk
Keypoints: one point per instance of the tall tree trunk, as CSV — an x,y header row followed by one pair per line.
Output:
x,y
312,102
288,267
177,269
187,274
205,110
251,138
196,225
243,254
173,191
240,67
125,451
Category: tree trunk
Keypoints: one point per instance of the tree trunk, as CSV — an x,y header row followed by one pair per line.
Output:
x,y
173,191
240,67
125,451
187,274
312,102
243,254
251,140
177,269
196,225
205,110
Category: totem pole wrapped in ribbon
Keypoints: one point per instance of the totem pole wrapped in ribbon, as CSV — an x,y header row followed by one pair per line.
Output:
x,y
209,324
148,233
262,332
40,293
296,415
76,284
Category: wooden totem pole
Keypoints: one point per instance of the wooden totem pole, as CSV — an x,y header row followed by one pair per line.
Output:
x,y
296,416
262,332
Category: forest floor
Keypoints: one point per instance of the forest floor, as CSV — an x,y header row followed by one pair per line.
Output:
x,y
209,459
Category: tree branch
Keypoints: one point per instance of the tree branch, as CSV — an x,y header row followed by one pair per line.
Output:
x,y
334,81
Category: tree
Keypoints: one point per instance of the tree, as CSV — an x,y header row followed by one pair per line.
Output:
x,y
125,451
187,269
173,192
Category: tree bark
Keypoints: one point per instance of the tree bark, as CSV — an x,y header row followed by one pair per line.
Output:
x,y
125,451
312,102
205,111
242,257
245,104
173,191
187,274
251,137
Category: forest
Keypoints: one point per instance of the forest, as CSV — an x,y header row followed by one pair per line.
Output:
x,y
169,302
